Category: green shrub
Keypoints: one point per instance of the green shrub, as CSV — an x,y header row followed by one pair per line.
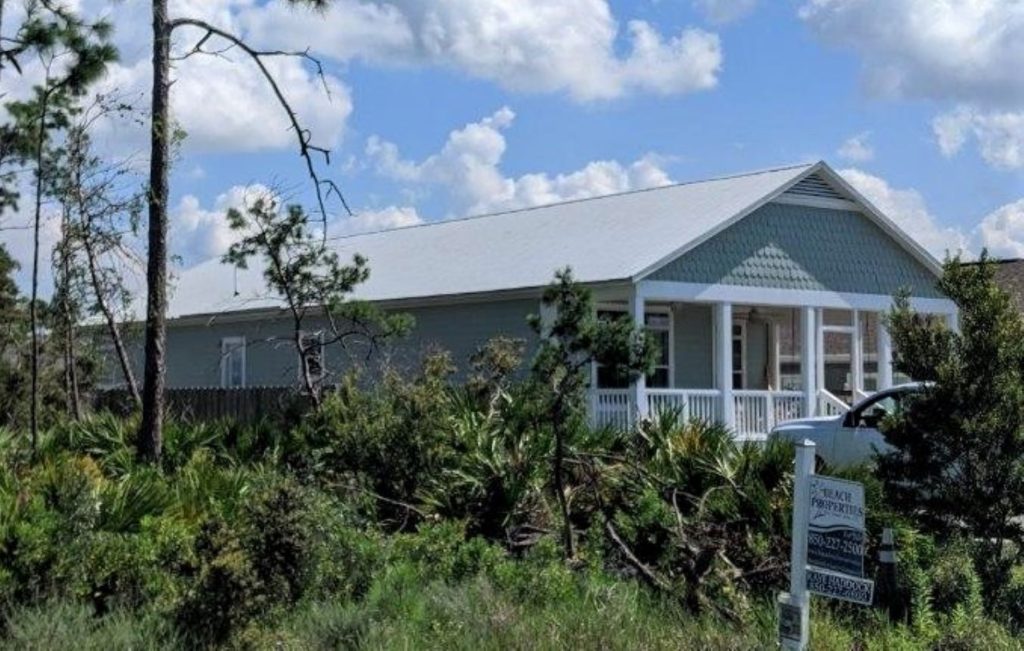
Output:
x,y
443,553
63,625
392,438
955,582
225,594
1012,599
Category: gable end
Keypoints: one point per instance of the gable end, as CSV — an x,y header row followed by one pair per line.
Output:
x,y
787,246
813,186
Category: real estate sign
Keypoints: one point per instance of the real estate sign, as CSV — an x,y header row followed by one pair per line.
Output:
x,y
840,586
835,535
827,552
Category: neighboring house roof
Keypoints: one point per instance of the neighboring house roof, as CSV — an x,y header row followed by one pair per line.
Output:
x,y
604,239
1009,275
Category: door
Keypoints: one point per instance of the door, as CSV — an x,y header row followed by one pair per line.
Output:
x,y
839,364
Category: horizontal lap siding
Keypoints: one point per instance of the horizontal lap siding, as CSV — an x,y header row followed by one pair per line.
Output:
x,y
193,351
796,247
462,329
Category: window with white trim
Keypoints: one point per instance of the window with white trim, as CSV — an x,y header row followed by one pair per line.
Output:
x,y
109,372
739,355
312,355
658,323
232,362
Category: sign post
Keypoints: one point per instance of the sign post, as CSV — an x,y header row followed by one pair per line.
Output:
x,y
827,555
795,606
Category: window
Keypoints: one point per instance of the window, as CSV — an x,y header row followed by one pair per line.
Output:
x,y
659,325
877,409
739,355
312,354
109,369
232,362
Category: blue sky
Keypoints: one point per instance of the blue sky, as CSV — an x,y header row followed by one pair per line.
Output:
x,y
449,107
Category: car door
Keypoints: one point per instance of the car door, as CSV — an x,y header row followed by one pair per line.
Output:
x,y
859,437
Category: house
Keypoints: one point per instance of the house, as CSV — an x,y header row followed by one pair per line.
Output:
x,y
764,290
1009,275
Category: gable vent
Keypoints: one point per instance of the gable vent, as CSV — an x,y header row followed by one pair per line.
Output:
x,y
813,186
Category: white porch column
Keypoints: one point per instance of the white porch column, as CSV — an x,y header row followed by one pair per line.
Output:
x,y
884,355
819,347
639,385
776,383
810,368
856,356
723,359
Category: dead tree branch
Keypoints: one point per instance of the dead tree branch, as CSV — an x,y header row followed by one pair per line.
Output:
x,y
323,187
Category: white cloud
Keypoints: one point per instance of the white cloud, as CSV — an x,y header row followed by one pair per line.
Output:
x,y
198,233
907,208
369,221
1002,231
999,135
857,149
530,45
17,235
223,102
227,106
725,11
964,50
468,169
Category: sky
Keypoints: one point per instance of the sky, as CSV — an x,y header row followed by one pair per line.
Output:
x,y
445,108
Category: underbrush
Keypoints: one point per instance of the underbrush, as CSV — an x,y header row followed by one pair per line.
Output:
x,y
421,515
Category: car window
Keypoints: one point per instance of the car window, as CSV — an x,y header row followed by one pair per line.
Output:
x,y
872,413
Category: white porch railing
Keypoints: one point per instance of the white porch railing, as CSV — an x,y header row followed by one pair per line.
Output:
x,y
831,405
692,404
757,412
612,408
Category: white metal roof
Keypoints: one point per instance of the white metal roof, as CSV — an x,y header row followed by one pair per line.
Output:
x,y
608,238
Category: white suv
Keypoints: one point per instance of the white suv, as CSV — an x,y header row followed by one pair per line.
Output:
x,y
853,437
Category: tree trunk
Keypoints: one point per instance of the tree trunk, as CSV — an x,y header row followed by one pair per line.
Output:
x,y
312,390
70,365
111,319
151,430
568,541
33,308
74,399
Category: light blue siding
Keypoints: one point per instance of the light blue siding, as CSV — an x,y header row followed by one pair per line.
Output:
x,y
693,346
193,351
798,247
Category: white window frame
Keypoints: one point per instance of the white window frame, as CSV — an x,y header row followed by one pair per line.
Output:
x,y
661,310
742,337
110,366
319,334
229,345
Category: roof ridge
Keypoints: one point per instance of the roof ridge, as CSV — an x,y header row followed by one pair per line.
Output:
x,y
512,211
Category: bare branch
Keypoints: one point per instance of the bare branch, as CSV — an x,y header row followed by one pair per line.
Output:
x,y
322,187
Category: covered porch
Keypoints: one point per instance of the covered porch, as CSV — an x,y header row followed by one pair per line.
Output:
x,y
750,357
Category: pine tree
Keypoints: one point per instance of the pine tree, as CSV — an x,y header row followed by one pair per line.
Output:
x,y
958,464
571,341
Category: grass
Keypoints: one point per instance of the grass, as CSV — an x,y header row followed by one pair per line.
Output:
x,y
403,611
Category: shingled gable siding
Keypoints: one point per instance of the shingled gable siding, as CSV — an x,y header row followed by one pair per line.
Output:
x,y
786,246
